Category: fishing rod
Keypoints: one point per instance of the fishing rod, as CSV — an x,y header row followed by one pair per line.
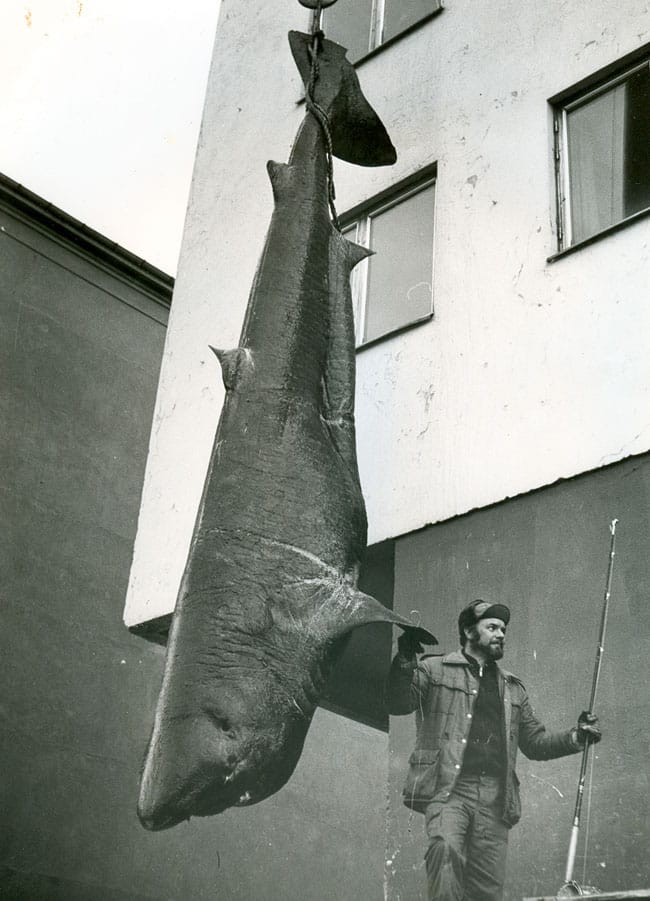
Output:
x,y
570,886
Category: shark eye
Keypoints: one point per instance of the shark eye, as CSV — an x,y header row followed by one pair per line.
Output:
x,y
221,722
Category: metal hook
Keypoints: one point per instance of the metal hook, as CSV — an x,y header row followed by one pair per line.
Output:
x,y
318,6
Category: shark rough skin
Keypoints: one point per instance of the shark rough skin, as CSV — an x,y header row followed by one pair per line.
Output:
x,y
269,590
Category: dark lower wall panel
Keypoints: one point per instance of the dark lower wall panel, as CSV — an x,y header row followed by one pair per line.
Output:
x,y
355,684
17,886
545,555
80,354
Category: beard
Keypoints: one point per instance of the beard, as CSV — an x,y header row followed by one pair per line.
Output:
x,y
492,648
495,649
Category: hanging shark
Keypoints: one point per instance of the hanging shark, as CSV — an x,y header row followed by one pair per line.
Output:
x,y
269,592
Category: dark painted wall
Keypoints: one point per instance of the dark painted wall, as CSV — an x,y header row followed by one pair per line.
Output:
x,y
355,684
545,555
80,350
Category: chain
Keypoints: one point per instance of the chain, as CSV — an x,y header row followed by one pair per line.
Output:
x,y
319,113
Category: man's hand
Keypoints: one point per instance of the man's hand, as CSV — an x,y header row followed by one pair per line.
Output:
x,y
587,729
408,646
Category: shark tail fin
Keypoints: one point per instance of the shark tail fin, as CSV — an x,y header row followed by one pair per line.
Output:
x,y
358,135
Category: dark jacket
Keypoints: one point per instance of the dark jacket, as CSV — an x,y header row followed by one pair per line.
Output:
x,y
442,692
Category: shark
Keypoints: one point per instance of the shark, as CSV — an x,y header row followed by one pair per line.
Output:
x,y
269,593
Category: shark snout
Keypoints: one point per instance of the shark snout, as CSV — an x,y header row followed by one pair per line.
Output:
x,y
190,770
155,821
162,805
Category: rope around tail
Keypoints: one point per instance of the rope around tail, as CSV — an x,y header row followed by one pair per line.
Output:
x,y
321,116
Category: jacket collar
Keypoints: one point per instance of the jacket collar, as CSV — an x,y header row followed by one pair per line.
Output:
x,y
457,658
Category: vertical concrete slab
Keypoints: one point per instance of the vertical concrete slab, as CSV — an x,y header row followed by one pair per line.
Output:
x,y
81,350
545,555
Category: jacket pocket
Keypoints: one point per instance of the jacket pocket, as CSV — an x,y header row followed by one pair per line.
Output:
x,y
421,779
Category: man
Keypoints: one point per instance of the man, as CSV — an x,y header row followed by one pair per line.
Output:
x,y
471,717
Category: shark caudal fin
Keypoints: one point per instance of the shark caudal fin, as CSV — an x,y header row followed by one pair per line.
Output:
x,y
358,135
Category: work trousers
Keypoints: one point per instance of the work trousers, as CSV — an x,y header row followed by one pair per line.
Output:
x,y
466,857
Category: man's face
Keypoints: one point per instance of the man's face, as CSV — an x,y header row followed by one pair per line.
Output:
x,y
489,636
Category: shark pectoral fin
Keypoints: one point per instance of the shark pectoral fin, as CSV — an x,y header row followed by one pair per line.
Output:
x,y
362,609
232,363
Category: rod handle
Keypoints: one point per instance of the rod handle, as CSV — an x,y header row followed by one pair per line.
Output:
x,y
571,857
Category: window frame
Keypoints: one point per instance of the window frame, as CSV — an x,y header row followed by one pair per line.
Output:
x,y
562,105
377,23
361,216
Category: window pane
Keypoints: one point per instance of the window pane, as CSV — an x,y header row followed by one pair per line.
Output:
x,y
351,233
609,164
348,23
636,176
595,134
400,273
401,14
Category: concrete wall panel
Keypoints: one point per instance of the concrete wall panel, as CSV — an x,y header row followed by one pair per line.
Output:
x,y
80,352
545,555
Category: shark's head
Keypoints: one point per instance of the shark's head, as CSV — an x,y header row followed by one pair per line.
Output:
x,y
237,701
230,750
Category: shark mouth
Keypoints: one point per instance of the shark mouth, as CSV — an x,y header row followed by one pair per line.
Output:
x,y
204,788
214,798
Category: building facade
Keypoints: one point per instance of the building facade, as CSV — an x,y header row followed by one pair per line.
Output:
x,y
82,330
502,365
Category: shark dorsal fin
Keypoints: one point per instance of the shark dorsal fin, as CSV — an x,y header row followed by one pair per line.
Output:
x,y
355,253
232,364
280,176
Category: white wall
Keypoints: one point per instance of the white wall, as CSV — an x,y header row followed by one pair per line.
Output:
x,y
538,371
529,371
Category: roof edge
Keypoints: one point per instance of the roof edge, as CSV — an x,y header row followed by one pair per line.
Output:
x,y
86,241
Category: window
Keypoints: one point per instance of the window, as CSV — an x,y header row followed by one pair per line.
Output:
x,y
393,288
602,161
363,25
